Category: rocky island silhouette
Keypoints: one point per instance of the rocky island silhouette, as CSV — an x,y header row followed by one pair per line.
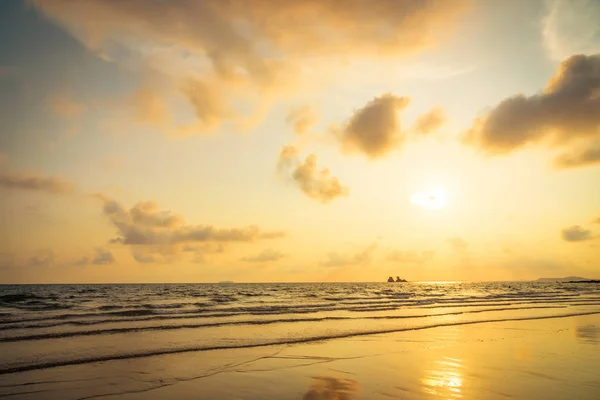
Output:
x,y
391,279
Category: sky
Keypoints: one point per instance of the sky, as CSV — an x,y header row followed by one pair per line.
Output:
x,y
309,140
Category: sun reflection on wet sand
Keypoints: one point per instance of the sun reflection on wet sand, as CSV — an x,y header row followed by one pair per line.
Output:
x,y
329,388
445,379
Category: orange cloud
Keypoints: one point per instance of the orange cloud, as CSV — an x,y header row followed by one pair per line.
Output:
x,y
318,185
49,184
265,256
576,234
335,259
160,236
430,121
566,112
149,106
580,157
410,257
254,51
458,243
374,130
302,119
42,258
102,256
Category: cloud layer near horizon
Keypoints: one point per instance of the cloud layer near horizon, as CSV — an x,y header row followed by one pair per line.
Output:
x,y
335,259
151,232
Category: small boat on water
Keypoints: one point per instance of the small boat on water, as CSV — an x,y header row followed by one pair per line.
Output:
x,y
391,279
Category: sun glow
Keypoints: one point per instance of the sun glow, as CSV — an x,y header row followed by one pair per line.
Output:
x,y
434,199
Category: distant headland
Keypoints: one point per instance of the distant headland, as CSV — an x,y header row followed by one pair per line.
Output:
x,y
569,279
391,279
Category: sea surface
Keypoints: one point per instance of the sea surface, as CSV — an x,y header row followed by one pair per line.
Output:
x,y
49,326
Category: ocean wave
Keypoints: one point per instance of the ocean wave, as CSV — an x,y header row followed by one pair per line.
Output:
x,y
110,331
283,341
209,310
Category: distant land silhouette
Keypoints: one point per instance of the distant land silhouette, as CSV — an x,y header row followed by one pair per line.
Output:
x,y
567,279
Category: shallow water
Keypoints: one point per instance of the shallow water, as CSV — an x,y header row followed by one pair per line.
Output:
x,y
47,326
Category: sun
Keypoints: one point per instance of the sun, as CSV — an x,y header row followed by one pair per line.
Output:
x,y
434,199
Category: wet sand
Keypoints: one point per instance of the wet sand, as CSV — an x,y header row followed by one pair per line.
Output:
x,y
556,358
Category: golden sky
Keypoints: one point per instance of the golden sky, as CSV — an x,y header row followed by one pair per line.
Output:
x,y
305,140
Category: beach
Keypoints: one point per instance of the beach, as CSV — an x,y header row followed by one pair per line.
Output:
x,y
550,359
452,341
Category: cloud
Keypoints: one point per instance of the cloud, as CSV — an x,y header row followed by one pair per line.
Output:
x,y
149,106
302,119
143,224
209,106
42,258
579,157
64,107
200,251
83,261
50,184
288,159
430,121
7,260
265,256
576,233
160,236
247,49
567,111
103,257
411,257
335,259
374,130
318,185
458,243
596,220
162,254
571,27
147,213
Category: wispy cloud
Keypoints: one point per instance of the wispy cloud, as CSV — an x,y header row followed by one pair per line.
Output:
x,y
571,27
410,256
49,184
302,119
335,259
201,49
265,256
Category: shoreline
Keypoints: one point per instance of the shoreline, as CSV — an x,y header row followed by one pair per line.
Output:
x,y
51,365
394,364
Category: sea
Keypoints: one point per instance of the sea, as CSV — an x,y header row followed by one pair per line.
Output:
x,y
43,327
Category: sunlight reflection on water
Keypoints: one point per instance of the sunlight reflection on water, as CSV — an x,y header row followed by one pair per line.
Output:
x,y
445,379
